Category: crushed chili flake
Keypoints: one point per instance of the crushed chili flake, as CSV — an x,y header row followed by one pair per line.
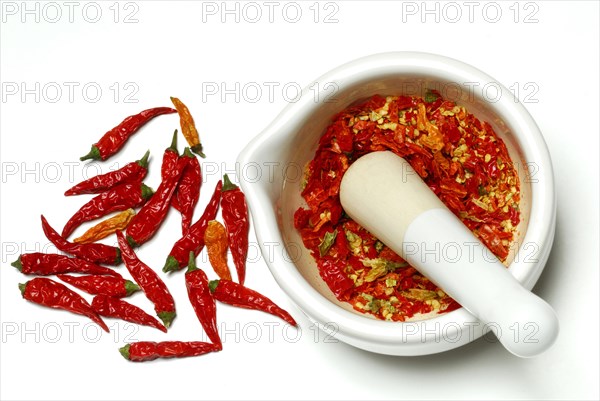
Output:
x,y
460,158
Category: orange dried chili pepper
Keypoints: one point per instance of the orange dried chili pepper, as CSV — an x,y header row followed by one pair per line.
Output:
x,y
188,127
215,239
106,227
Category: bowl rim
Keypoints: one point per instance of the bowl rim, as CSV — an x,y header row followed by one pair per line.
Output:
x,y
353,328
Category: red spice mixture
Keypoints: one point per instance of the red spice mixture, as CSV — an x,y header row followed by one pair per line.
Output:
x,y
460,158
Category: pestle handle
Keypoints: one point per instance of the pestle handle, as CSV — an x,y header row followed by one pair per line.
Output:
x,y
382,192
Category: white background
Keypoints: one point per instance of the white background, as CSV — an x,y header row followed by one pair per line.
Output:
x,y
548,52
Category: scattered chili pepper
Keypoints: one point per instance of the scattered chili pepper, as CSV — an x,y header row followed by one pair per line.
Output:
x,y
122,197
152,285
95,253
48,264
101,285
235,215
113,140
46,292
170,158
202,301
188,127
134,171
106,227
188,190
215,239
194,239
147,222
169,164
232,293
147,351
117,308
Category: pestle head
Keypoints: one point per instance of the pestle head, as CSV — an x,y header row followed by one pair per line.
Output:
x,y
382,193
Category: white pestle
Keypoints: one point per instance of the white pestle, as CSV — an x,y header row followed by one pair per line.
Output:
x,y
383,193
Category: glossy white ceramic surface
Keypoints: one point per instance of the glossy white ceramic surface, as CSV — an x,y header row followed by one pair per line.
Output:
x,y
386,196
285,146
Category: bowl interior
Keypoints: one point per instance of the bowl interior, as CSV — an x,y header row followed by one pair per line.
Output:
x,y
301,145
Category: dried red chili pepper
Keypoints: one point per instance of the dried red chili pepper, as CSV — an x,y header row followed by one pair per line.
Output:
x,y
235,215
194,239
106,227
95,253
170,158
188,127
201,299
113,140
48,264
134,171
101,285
147,351
46,292
122,197
148,220
232,293
152,285
117,308
188,190
169,163
215,239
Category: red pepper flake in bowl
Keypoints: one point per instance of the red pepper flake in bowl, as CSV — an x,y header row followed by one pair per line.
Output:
x,y
460,158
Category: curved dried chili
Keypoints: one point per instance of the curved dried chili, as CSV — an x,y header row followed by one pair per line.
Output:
x,y
215,239
147,351
46,292
152,285
49,264
150,217
188,127
169,165
201,299
194,239
117,308
235,215
106,227
188,190
122,197
232,293
101,285
134,171
113,140
95,253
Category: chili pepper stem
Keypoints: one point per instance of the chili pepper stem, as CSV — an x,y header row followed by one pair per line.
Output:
x,y
167,318
22,288
147,192
17,263
227,184
212,285
197,149
143,162
132,242
118,259
131,287
171,265
94,154
173,146
125,351
187,152
192,263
